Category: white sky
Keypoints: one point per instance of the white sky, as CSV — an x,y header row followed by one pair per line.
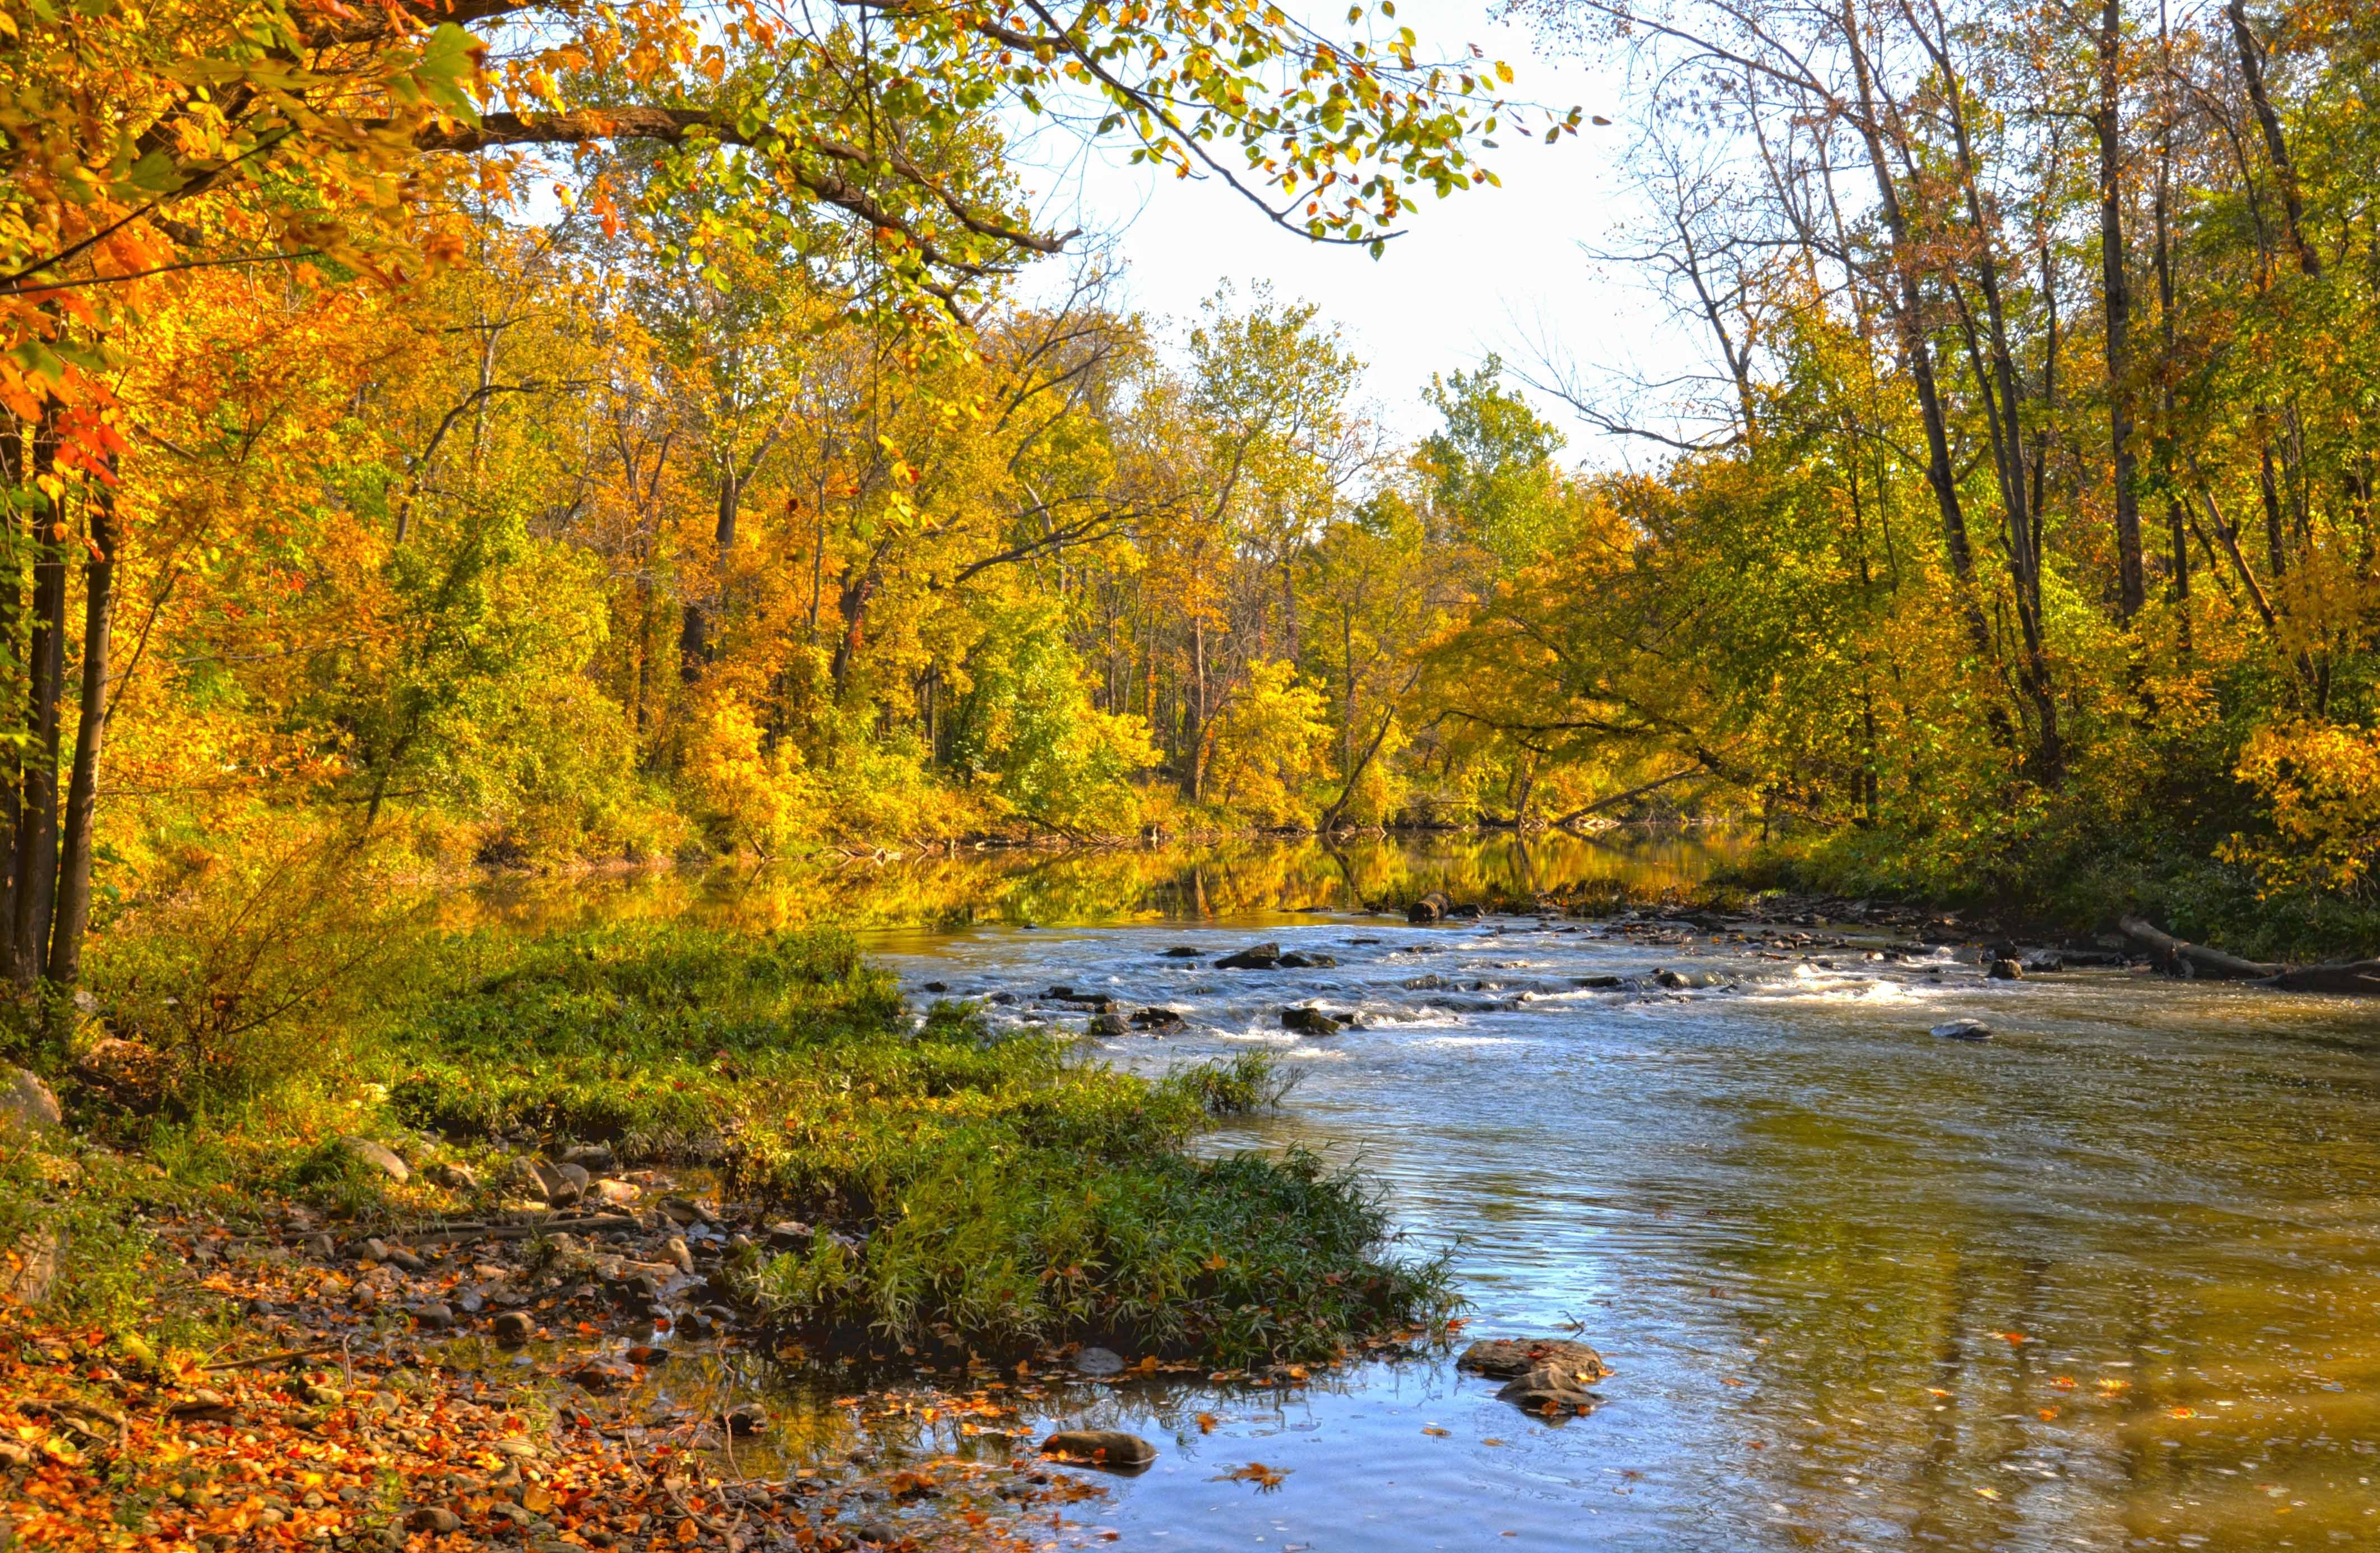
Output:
x,y
1492,269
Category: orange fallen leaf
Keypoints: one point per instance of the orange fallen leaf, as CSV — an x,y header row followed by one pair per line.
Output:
x,y
1432,1430
1206,1421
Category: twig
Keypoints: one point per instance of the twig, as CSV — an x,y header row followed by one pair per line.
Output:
x,y
263,1359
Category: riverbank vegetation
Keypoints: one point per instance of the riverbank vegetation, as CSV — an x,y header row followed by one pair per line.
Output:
x,y
969,1194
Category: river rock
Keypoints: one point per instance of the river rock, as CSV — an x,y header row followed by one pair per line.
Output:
x,y
1098,1361
2005,970
1105,1025
1552,1388
1962,1031
27,1104
747,1418
609,1193
1600,983
1430,909
1309,1021
1256,957
1101,1448
1676,980
375,1156
2040,961
1303,960
1154,1019
1182,952
1513,1358
453,1177
590,1157
514,1326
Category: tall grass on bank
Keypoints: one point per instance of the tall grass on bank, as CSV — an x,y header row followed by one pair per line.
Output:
x,y
993,1195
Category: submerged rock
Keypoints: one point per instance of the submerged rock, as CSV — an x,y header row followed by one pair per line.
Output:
x,y
1601,983
1101,1448
1962,1031
1256,957
1182,951
1301,960
1543,1375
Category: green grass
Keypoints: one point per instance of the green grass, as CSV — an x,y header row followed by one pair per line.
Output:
x,y
1004,1195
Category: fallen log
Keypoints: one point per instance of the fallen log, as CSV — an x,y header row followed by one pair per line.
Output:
x,y
2176,957
2352,977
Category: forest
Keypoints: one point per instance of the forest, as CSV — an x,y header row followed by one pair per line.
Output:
x,y
514,434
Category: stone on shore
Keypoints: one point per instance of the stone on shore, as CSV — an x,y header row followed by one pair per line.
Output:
x,y
27,1104
376,1155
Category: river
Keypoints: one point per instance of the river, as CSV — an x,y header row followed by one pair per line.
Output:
x,y
2109,1280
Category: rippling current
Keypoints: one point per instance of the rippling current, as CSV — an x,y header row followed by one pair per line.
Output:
x,y
2106,1281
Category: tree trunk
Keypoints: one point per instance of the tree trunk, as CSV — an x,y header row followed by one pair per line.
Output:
x,y
2251,70
90,730
1909,316
694,630
2115,287
19,451
37,819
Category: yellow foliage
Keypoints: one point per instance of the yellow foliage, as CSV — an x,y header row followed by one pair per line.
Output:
x,y
2323,785
1269,746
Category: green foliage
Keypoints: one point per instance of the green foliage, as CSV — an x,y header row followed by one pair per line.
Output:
x,y
1008,1193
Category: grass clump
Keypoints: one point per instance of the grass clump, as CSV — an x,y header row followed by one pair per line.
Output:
x,y
987,1194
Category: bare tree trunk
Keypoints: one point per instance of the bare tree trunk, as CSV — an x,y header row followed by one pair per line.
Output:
x,y
2251,70
2117,289
90,732
1909,315
37,819
19,451
694,630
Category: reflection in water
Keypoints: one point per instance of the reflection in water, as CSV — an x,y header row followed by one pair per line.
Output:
x,y
2111,1279
1238,879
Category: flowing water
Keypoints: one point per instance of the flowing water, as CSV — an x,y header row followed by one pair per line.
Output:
x,y
2109,1279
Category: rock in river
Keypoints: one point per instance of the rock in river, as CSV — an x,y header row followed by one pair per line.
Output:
x,y
1302,960
1963,1030
1309,1022
1098,1361
2006,970
1675,980
1543,1375
1430,909
1101,1448
1256,957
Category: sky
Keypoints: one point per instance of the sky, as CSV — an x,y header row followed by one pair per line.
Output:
x,y
1489,270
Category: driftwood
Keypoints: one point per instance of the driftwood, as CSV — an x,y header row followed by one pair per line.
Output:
x,y
2175,957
